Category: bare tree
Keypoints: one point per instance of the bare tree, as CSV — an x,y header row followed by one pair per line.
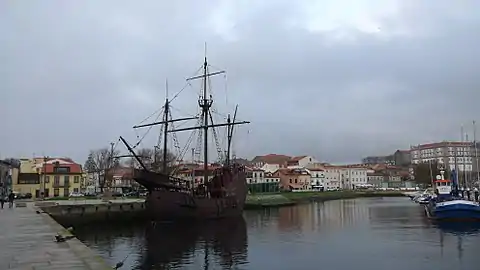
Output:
x,y
152,159
99,161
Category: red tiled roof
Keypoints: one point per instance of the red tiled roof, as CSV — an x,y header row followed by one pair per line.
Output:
x,y
272,159
297,158
74,168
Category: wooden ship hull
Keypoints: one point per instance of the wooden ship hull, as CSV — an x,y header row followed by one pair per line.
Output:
x,y
173,198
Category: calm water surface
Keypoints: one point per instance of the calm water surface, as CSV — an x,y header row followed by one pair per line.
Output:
x,y
368,233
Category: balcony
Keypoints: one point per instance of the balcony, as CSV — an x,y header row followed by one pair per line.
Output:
x,y
61,185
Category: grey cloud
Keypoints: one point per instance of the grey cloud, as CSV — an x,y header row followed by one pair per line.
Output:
x,y
76,76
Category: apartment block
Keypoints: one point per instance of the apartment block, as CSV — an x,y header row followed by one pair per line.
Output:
x,y
450,154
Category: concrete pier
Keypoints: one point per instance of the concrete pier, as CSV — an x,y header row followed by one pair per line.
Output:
x,y
27,241
80,212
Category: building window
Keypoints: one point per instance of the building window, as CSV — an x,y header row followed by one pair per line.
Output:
x,y
61,169
56,180
56,192
66,180
76,179
66,192
28,178
47,179
75,190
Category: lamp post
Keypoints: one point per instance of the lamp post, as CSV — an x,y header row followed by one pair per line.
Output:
x,y
44,177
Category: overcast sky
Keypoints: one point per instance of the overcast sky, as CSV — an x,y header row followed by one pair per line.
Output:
x,y
335,79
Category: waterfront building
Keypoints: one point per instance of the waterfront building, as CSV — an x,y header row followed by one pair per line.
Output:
x,y
332,177
387,176
271,162
121,179
317,178
195,173
48,177
301,162
260,181
353,176
460,155
298,179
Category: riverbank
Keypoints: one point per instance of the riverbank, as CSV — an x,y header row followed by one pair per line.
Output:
x,y
255,201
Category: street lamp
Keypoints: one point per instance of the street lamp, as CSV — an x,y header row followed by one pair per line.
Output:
x,y
43,181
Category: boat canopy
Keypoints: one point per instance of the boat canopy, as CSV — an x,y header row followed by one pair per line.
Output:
x,y
443,181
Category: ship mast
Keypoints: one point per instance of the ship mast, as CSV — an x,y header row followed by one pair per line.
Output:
x,y
165,122
165,129
230,135
205,104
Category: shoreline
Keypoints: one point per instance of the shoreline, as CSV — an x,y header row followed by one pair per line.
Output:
x,y
258,201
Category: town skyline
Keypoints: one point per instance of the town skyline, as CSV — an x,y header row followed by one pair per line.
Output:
x,y
187,157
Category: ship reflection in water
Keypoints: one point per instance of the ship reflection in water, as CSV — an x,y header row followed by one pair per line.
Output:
x,y
221,243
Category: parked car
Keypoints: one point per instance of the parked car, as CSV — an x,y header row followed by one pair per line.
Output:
x,y
76,194
20,196
91,194
117,194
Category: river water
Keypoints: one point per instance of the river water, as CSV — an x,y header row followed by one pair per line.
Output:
x,y
367,233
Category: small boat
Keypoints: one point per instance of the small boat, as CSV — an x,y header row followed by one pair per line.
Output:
x,y
424,199
447,205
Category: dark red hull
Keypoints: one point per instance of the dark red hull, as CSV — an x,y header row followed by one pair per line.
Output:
x,y
169,197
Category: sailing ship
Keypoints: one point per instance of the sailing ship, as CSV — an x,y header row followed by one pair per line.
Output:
x,y
220,193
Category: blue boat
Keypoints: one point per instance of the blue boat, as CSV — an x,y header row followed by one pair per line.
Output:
x,y
447,205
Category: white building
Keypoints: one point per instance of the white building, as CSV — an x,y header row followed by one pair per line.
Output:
x,y
332,178
449,154
271,168
255,175
271,178
317,178
352,176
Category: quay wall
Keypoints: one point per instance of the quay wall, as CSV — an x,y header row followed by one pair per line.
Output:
x,y
86,213
84,254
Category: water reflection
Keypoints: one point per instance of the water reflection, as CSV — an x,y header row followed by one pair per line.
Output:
x,y
370,233
172,245
459,228
324,216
